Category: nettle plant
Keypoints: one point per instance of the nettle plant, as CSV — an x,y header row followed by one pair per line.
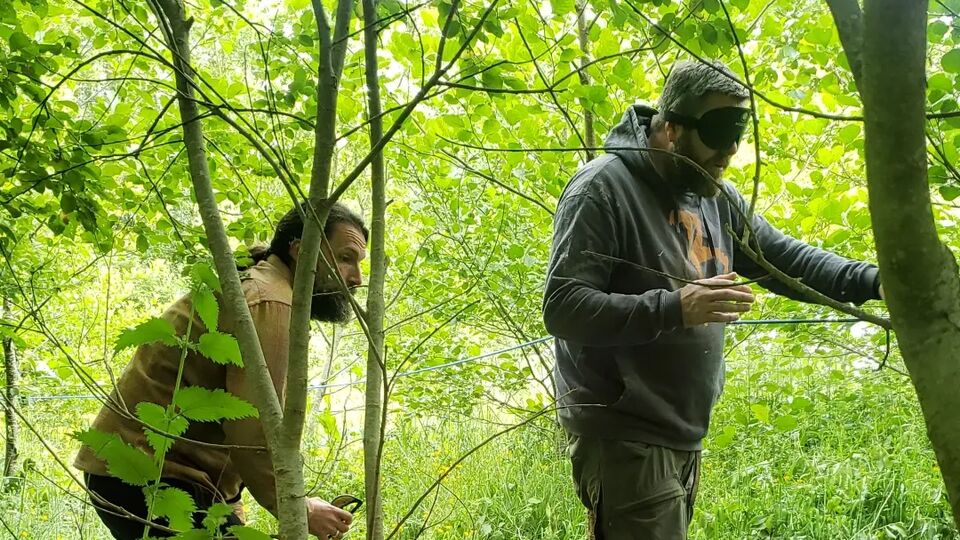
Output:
x,y
162,423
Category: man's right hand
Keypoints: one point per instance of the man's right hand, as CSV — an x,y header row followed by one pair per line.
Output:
x,y
716,299
326,520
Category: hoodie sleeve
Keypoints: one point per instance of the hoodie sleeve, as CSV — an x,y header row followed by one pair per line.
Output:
x,y
837,277
576,304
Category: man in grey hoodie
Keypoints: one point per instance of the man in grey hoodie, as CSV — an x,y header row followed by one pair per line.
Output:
x,y
639,344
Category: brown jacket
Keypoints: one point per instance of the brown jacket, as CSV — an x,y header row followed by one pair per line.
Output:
x,y
151,376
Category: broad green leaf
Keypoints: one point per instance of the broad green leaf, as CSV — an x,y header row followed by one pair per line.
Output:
x,y
153,330
785,423
125,462
623,68
761,412
172,503
562,7
221,348
723,439
951,61
949,192
19,40
205,303
205,405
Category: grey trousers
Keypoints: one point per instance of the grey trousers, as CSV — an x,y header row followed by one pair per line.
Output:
x,y
633,490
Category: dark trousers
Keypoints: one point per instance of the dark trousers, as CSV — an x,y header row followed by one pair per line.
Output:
x,y
131,499
633,490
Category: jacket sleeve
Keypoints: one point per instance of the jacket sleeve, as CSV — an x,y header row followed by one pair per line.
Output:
x,y
577,305
271,320
837,277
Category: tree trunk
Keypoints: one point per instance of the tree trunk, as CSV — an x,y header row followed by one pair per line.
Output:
x,y
583,33
11,365
376,393
292,513
920,277
286,465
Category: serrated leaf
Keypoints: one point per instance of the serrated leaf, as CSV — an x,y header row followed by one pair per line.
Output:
x,y
125,462
164,420
172,503
156,329
221,348
205,405
248,533
205,303
202,272
216,516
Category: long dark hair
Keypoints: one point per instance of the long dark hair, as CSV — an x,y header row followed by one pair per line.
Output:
x,y
290,228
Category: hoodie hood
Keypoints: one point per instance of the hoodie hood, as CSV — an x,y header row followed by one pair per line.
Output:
x,y
632,132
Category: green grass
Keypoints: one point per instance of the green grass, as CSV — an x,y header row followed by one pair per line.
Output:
x,y
851,463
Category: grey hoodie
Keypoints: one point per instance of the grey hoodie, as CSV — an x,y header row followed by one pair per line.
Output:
x,y
626,367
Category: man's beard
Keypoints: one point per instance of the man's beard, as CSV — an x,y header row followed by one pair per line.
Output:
x,y
330,306
689,177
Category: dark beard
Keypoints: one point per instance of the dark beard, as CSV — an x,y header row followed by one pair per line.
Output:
x,y
691,178
330,307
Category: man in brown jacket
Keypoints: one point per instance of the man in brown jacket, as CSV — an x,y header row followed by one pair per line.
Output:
x,y
216,471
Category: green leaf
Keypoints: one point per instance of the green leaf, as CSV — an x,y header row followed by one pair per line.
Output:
x,y
172,503
248,533
156,329
164,420
761,412
785,423
562,7
515,251
949,192
201,272
206,305
216,516
205,405
19,40
623,68
221,348
125,462
723,439
951,61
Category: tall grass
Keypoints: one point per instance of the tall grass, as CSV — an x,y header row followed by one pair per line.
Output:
x,y
851,462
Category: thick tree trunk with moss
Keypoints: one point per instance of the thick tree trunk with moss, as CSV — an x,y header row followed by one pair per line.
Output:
x,y
374,417
11,395
919,272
